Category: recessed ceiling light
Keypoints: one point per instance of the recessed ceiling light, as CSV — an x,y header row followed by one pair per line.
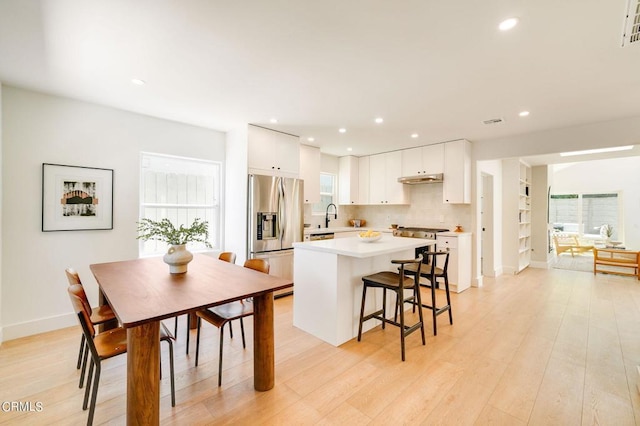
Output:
x,y
524,113
507,24
342,130
596,151
311,139
349,149
138,81
273,120
414,135
379,120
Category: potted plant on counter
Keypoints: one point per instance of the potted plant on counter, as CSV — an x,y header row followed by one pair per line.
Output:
x,y
177,257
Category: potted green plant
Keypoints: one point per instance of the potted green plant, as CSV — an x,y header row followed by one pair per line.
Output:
x,y
177,257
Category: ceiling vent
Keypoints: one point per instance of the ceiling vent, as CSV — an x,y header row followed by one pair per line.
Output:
x,y
631,30
496,120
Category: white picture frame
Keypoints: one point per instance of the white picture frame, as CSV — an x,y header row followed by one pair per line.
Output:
x,y
76,198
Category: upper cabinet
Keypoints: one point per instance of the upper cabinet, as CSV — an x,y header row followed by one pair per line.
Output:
x,y
310,173
348,180
456,187
384,188
364,165
424,160
273,153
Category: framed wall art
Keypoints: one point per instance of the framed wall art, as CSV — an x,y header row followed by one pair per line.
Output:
x,y
76,198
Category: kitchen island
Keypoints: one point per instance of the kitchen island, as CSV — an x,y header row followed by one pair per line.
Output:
x,y
328,282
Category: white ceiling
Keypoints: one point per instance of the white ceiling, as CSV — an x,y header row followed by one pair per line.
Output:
x,y
438,68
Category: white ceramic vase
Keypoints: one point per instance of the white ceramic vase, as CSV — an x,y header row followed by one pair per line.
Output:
x,y
177,258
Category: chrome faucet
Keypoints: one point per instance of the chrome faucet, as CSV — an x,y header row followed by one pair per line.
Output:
x,y
326,215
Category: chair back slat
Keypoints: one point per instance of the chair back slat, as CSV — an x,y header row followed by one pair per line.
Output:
x,y
228,256
72,276
260,265
81,305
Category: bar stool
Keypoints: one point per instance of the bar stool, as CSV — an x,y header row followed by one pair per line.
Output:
x,y
432,272
396,282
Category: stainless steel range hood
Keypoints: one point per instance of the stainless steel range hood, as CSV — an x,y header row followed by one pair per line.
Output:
x,y
414,180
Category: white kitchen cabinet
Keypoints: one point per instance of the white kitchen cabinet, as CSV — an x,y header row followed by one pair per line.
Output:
x,y
364,165
456,187
273,153
310,173
384,171
424,160
348,180
458,244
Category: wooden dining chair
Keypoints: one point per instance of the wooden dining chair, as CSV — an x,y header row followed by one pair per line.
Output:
x,y
225,256
223,314
106,345
98,316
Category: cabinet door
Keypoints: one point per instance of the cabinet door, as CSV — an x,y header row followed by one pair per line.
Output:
x,y
412,162
433,159
456,187
363,180
395,192
348,180
377,179
260,156
310,173
286,149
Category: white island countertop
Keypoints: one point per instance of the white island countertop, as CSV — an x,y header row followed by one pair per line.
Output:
x,y
354,247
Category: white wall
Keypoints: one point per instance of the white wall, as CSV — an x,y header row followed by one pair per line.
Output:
x,y
622,174
540,182
1,210
494,169
38,129
595,135
236,193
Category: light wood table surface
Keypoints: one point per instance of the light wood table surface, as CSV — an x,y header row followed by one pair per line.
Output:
x,y
142,292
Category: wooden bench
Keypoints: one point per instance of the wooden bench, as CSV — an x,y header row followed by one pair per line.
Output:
x,y
616,258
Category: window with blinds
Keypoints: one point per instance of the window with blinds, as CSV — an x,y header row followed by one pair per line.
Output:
x,y
181,190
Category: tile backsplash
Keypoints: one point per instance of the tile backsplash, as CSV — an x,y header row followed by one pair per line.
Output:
x,y
426,210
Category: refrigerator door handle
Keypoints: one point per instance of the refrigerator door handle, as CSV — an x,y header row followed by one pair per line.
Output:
x,y
282,210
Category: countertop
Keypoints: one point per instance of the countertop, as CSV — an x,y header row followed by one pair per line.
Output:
x,y
308,231
354,247
452,233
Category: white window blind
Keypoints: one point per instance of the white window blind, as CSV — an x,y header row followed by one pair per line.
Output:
x,y
181,190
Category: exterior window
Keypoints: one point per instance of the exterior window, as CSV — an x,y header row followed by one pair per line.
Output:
x,y
584,214
181,190
327,193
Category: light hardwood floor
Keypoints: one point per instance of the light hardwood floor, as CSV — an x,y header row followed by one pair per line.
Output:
x,y
546,347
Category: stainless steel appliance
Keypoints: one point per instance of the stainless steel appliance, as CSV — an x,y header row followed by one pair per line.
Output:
x,y
275,221
417,232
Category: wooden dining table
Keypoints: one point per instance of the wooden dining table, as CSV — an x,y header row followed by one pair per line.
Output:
x,y
142,292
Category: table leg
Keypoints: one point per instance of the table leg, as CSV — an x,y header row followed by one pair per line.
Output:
x,y
263,343
143,374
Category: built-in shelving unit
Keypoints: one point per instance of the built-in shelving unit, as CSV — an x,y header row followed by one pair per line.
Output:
x,y
516,215
524,217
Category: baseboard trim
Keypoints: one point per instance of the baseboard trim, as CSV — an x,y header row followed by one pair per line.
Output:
x,y
41,325
541,265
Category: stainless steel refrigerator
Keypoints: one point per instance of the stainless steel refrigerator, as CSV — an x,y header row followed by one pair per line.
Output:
x,y
275,221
